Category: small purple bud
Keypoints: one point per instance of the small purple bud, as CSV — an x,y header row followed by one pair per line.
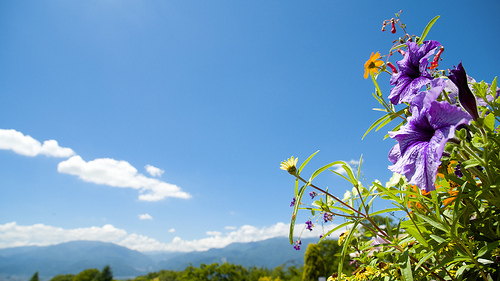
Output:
x,y
312,194
309,225
465,96
458,170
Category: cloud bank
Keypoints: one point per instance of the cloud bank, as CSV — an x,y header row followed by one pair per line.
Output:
x,y
116,173
104,171
28,146
14,235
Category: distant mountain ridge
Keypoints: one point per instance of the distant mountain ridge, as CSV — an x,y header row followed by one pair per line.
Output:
x,y
73,257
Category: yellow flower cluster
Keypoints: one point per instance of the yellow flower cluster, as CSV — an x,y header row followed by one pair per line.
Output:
x,y
342,237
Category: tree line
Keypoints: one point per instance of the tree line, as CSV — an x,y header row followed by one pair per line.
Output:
x,y
320,260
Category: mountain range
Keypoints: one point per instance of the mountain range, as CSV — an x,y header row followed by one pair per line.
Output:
x,y
73,257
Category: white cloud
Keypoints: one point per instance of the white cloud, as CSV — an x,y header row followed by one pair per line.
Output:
x,y
230,227
172,230
28,146
153,171
116,173
340,170
13,235
145,217
214,233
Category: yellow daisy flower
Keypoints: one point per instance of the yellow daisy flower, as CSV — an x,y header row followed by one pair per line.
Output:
x,y
373,64
290,165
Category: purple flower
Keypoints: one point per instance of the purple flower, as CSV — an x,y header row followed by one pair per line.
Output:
x,y
327,217
378,241
421,141
465,96
297,244
309,225
412,73
312,194
458,170
293,202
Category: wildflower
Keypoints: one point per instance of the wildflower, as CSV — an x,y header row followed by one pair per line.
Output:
x,y
342,237
435,61
297,244
458,170
336,277
393,68
373,64
293,202
327,217
365,273
412,73
465,96
451,199
312,194
309,225
393,26
421,141
290,165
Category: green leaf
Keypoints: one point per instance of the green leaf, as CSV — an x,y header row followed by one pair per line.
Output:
x,y
335,229
424,259
322,169
434,223
375,124
346,245
388,192
427,29
415,234
406,272
295,210
385,211
489,122
470,163
437,238
391,117
349,172
493,87
485,261
305,162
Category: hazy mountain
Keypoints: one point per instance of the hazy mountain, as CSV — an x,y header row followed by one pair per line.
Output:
x,y
73,257
268,253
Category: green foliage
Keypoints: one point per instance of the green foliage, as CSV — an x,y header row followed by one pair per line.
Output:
x,y
225,272
35,277
314,266
106,274
87,275
451,232
63,277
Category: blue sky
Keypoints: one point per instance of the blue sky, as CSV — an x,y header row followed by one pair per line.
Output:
x,y
209,95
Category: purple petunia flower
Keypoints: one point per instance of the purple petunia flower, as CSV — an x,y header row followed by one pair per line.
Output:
x,y
309,225
413,72
465,96
421,141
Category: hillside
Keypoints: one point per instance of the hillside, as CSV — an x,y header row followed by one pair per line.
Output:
x,y
73,257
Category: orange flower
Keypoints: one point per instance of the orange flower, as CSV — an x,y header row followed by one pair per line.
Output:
x,y
413,204
373,64
451,199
